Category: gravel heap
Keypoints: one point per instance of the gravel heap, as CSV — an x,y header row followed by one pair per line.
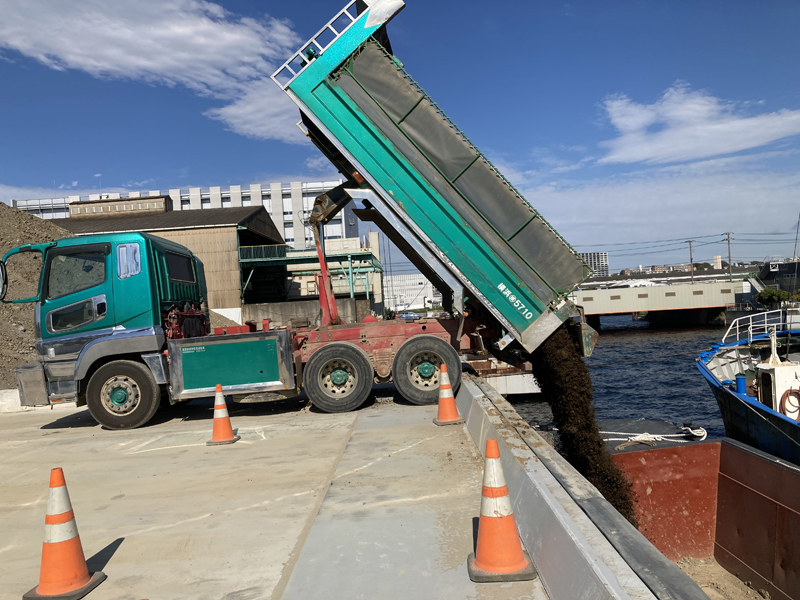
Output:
x,y
16,320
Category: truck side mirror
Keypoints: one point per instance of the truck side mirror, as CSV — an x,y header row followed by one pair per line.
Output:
x,y
3,280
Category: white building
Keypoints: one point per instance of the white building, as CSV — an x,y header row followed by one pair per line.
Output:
x,y
288,204
404,292
598,261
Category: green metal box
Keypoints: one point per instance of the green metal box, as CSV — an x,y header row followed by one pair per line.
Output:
x,y
248,363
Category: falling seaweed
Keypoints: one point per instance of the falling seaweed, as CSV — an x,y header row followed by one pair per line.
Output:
x,y
565,381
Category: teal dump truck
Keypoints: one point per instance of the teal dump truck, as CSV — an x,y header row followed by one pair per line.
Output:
x,y
121,324
424,183
121,320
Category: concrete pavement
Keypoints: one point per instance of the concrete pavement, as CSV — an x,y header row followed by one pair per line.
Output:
x,y
377,503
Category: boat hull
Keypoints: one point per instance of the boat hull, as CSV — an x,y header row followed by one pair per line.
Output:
x,y
755,425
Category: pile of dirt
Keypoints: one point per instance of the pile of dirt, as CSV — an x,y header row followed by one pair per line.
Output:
x,y
16,320
717,583
565,381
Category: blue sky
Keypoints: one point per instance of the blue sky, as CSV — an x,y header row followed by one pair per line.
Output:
x,y
624,123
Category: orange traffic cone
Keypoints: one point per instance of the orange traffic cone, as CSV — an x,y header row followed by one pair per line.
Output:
x,y
223,432
499,555
64,573
448,412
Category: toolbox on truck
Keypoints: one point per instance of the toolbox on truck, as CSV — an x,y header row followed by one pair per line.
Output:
x,y
248,363
31,385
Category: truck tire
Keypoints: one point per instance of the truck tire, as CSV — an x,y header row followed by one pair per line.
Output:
x,y
123,395
417,366
338,378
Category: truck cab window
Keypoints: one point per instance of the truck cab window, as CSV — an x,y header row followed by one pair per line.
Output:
x,y
71,317
128,260
73,272
179,268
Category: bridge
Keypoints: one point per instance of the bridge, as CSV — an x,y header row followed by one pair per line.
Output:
x,y
689,296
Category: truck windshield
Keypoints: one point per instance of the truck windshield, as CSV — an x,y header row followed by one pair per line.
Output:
x,y
75,271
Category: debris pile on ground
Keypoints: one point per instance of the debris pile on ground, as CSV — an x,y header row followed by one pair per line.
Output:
x,y
217,320
16,320
717,583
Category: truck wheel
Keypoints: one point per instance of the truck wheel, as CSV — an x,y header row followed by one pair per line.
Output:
x,y
122,395
338,378
417,366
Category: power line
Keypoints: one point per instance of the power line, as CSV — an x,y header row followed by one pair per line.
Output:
x,y
681,240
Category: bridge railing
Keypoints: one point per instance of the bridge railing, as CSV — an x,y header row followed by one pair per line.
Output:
x,y
753,325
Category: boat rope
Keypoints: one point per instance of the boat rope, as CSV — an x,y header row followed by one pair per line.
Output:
x,y
634,360
650,439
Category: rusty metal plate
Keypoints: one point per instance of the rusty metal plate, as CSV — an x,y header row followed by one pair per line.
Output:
x,y
760,474
677,497
746,523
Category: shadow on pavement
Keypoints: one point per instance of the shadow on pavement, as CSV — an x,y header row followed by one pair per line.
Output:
x,y
100,559
72,420
202,409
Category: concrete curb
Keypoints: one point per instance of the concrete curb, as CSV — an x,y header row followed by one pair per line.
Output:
x,y
9,403
568,565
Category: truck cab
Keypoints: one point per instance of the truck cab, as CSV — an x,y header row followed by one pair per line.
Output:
x,y
105,307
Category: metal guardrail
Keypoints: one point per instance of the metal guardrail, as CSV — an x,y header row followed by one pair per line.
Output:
x,y
753,325
279,251
263,252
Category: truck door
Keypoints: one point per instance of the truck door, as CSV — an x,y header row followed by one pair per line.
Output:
x,y
76,291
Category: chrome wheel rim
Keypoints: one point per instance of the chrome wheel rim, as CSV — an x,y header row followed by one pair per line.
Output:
x,y
420,365
120,395
337,378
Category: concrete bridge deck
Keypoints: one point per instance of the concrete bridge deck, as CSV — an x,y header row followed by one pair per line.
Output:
x,y
663,297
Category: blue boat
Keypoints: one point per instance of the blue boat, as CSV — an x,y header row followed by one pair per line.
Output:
x,y
755,375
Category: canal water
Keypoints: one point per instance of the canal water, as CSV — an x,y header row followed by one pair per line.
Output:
x,y
643,371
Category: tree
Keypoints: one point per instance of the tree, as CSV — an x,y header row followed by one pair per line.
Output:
x,y
772,295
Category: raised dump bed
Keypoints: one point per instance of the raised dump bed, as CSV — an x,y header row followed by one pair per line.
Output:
x,y
378,126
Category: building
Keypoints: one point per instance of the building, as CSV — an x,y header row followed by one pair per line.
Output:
x,y
598,261
410,292
288,205
782,274
214,235
250,273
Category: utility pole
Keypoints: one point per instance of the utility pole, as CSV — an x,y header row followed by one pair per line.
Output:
x,y
691,259
730,262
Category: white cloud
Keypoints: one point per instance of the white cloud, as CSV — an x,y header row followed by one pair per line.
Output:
x,y
688,125
320,163
193,43
261,111
704,198
10,192
98,174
